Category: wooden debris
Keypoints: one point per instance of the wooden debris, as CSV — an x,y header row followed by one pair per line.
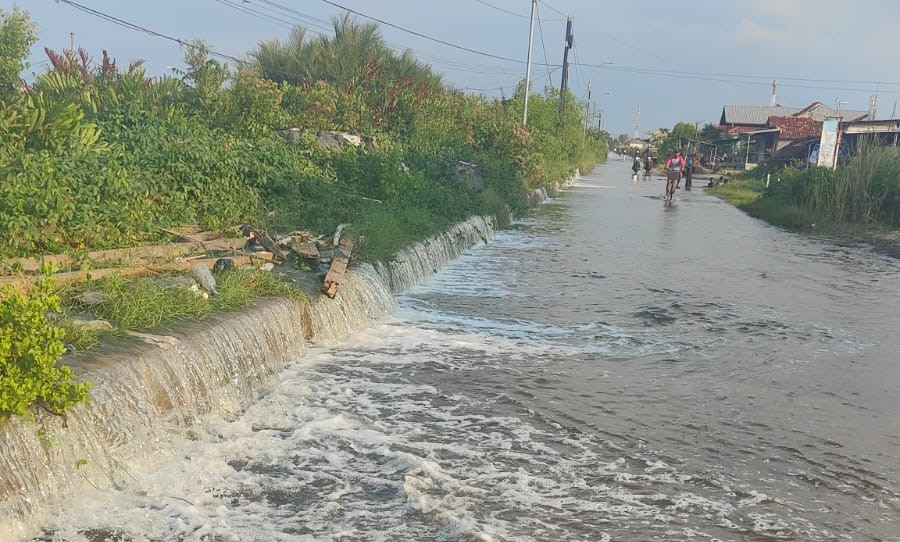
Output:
x,y
307,250
127,256
255,235
24,282
339,262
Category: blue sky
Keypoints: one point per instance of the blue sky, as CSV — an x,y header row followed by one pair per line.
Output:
x,y
671,61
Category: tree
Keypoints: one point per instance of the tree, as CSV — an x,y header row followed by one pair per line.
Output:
x,y
288,61
709,133
17,35
205,75
678,138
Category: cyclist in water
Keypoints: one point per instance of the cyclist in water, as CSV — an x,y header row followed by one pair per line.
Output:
x,y
636,165
674,167
648,164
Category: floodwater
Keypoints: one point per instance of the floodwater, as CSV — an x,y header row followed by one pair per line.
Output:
x,y
611,368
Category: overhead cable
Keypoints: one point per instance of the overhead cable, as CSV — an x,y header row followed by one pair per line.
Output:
x,y
131,26
423,36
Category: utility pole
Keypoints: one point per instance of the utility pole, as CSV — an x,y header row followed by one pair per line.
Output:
x,y
72,41
773,101
528,69
637,123
587,108
565,68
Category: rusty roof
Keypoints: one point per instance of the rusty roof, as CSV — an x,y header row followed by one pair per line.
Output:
x,y
796,127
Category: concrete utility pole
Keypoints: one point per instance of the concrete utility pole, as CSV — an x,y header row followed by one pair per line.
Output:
x,y
565,68
71,41
587,107
528,69
637,123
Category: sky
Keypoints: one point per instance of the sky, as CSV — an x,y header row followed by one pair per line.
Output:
x,y
648,63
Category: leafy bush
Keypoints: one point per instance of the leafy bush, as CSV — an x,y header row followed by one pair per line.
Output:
x,y
30,348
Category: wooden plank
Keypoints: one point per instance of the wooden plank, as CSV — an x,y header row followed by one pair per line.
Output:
x,y
339,262
24,282
132,255
307,250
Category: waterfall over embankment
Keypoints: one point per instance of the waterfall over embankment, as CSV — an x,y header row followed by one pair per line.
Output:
x,y
150,392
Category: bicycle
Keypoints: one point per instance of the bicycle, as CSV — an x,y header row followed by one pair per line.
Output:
x,y
671,178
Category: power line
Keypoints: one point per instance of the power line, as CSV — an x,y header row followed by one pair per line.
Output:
x,y
299,15
131,26
750,80
551,8
544,47
255,13
510,84
282,11
765,78
503,10
423,36
513,12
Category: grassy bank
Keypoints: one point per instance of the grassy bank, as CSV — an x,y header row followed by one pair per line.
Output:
x,y
861,195
98,157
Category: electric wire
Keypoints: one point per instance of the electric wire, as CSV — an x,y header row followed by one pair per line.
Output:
x,y
322,24
423,36
306,19
553,9
131,26
513,12
513,84
254,13
544,47
745,79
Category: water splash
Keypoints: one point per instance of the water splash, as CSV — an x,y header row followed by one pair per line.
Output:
x,y
148,393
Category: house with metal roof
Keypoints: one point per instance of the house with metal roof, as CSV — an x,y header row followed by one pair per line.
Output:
x,y
764,131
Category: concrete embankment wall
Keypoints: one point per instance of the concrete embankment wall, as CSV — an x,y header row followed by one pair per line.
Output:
x,y
148,394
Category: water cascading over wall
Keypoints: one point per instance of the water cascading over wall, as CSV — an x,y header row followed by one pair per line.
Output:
x,y
149,394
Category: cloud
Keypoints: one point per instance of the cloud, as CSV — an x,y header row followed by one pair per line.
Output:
x,y
752,33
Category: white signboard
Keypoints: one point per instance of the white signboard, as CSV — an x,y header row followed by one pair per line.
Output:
x,y
828,144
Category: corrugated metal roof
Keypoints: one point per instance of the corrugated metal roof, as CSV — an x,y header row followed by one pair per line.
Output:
x,y
758,115
755,114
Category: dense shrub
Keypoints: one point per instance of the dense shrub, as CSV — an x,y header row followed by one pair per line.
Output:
x,y
30,348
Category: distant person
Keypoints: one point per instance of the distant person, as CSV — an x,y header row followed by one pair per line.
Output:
x,y
636,165
648,164
688,171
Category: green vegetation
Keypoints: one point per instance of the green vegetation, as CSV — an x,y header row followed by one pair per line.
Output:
x,y
861,194
677,139
30,346
145,303
98,157
740,193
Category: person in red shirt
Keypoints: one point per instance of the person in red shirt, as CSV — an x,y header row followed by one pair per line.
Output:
x,y
674,166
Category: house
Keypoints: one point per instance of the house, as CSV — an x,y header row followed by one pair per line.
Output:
x,y
636,145
778,132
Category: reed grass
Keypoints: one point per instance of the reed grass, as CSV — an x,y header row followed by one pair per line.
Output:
x,y
865,190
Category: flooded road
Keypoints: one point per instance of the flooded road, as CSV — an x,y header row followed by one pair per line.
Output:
x,y
610,368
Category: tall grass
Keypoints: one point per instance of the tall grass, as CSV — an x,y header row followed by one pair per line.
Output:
x,y
865,190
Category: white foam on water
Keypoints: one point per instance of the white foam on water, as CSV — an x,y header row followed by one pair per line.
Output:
x,y
353,444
